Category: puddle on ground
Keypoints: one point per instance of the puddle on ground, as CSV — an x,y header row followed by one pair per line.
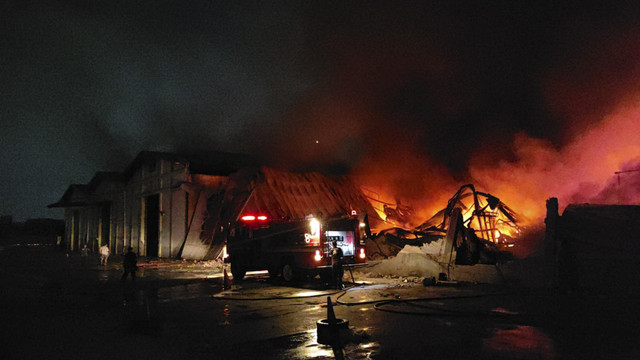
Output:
x,y
305,346
519,342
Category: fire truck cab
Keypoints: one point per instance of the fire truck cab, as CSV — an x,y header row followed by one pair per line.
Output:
x,y
294,249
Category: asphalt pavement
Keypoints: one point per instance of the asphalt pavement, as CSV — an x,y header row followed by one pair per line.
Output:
x,y
62,306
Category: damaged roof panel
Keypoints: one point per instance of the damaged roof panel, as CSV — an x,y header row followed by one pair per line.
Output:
x,y
285,195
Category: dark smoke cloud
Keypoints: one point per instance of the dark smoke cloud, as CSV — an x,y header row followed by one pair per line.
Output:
x,y
337,86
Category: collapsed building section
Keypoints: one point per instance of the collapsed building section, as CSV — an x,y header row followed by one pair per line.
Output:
x,y
477,227
285,222
280,196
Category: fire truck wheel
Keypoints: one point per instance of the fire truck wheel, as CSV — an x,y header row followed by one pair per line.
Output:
x,y
287,272
238,271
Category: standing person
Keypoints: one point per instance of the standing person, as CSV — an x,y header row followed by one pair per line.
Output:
x,y
84,254
336,265
104,254
130,264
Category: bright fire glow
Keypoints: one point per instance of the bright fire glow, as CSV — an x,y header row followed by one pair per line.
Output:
x,y
576,173
580,171
314,227
313,236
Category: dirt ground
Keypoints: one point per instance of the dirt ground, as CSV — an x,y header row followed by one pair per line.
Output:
x,y
60,306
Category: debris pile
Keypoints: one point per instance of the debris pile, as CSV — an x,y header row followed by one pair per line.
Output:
x,y
412,261
477,226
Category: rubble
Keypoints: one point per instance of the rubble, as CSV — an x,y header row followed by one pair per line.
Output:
x,y
483,227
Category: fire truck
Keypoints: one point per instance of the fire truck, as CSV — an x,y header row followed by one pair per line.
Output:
x,y
295,249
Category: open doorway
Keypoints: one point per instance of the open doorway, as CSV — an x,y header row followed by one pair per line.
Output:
x,y
152,224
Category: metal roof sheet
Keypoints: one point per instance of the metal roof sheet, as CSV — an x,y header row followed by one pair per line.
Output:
x,y
293,196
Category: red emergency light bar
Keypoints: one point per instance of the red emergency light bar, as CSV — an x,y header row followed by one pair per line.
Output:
x,y
254,218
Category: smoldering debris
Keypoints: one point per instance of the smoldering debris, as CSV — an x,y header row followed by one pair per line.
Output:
x,y
483,231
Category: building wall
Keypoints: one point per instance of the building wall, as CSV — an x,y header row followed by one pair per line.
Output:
x,y
205,186
163,178
182,208
81,227
179,216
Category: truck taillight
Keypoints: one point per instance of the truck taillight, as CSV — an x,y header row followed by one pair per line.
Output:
x,y
362,254
318,256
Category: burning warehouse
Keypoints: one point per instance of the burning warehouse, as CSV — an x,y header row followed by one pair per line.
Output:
x,y
152,206
285,222
169,205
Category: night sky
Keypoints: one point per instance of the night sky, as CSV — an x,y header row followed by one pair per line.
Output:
x,y
331,86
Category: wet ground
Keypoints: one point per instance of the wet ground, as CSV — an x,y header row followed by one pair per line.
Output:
x,y
56,306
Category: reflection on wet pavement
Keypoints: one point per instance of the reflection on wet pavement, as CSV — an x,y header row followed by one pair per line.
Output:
x,y
187,291
521,342
304,345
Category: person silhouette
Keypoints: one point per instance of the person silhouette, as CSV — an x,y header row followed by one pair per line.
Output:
x,y
130,264
336,265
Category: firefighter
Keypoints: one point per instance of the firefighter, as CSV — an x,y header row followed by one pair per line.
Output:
x,y
336,265
130,264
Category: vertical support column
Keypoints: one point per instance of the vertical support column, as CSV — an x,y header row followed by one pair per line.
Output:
x,y
551,221
452,234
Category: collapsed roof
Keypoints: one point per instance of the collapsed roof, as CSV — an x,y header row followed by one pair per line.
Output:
x,y
483,212
288,196
283,196
491,219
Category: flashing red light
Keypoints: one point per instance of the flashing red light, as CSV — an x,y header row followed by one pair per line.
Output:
x,y
354,213
362,255
254,218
